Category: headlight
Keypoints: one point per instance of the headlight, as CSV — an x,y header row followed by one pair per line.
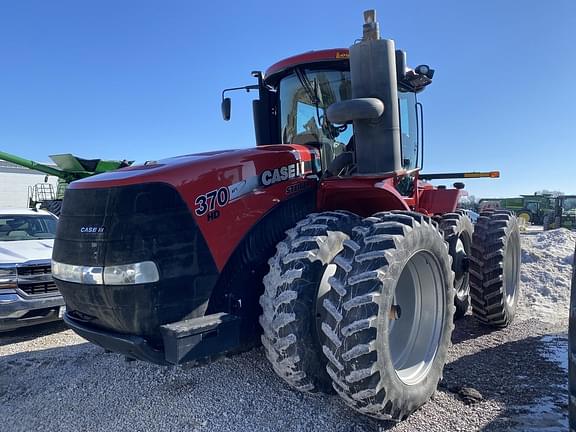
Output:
x,y
128,274
8,277
144,272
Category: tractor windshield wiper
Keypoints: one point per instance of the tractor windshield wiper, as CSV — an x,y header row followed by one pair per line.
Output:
x,y
312,93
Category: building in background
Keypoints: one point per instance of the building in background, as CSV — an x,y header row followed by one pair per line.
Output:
x,y
16,183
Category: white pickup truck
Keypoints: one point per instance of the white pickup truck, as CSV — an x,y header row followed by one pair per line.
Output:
x,y
28,294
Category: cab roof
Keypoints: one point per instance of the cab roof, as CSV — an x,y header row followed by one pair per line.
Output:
x,y
308,57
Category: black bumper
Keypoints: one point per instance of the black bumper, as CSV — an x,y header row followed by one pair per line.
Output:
x,y
184,341
131,346
17,311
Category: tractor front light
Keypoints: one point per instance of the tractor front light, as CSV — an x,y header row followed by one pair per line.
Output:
x,y
128,274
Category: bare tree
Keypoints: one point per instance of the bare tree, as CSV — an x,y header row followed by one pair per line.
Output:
x,y
549,192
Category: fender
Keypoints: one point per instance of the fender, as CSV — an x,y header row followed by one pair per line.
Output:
x,y
361,195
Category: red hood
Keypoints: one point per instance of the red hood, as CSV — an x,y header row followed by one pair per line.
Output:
x,y
238,171
179,171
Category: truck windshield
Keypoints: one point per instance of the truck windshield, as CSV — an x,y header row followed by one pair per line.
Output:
x,y
27,227
306,94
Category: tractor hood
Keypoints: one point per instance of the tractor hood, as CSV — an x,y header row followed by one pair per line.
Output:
x,y
187,215
226,192
228,166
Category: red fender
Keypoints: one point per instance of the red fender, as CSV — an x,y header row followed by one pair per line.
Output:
x,y
362,195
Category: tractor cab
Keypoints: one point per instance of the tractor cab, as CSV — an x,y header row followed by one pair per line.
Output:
x,y
294,97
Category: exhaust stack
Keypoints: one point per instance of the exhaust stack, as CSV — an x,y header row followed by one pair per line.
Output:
x,y
374,86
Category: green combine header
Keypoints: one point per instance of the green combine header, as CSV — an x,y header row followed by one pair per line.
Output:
x,y
68,168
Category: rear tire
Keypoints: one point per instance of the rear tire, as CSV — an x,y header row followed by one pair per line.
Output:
x,y
385,357
495,268
289,317
458,231
572,352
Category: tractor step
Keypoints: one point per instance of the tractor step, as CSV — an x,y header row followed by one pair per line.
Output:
x,y
198,338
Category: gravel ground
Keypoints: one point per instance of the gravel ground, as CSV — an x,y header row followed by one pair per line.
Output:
x,y
53,380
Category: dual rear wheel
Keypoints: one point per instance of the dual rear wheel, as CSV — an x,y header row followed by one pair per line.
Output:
x,y
365,307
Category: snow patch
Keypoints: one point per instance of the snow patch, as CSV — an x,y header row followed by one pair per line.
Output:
x,y
555,350
546,275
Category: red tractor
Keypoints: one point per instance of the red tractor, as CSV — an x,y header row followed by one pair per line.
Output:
x,y
328,247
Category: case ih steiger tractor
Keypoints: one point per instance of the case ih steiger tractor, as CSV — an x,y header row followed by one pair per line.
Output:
x,y
328,247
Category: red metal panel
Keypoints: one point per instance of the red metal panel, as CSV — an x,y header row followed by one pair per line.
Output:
x,y
362,195
309,57
438,201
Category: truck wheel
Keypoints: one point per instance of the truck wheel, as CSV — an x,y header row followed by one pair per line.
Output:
x,y
495,268
458,230
572,351
298,270
388,318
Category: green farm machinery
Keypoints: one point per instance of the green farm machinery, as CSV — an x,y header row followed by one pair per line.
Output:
x,y
67,169
540,209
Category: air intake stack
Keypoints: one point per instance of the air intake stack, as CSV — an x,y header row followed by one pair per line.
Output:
x,y
373,108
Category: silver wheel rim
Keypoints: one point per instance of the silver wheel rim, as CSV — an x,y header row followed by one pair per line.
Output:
x,y
511,266
461,277
414,337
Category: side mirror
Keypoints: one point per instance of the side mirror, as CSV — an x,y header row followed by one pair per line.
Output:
x,y
355,109
226,107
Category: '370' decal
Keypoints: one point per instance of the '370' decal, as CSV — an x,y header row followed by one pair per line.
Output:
x,y
208,201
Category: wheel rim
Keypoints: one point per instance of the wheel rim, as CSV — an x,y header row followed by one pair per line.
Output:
x,y
414,337
525,217
511,267
461,275
323,288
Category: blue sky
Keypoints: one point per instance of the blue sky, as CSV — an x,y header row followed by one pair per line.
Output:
x,y
141,79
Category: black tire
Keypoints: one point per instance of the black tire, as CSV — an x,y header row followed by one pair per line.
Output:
x,y
495,268
458,231
572,352
358,339
53,206
546,223
289,317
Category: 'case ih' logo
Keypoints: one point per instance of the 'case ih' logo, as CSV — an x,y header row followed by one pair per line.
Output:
x,y
92,229
277,175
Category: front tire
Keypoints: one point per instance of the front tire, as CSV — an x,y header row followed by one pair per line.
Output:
x,y
298,270
385,355
495,268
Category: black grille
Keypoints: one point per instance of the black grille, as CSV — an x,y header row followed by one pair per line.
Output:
x,y
34,270
38,288
36,280
144,222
